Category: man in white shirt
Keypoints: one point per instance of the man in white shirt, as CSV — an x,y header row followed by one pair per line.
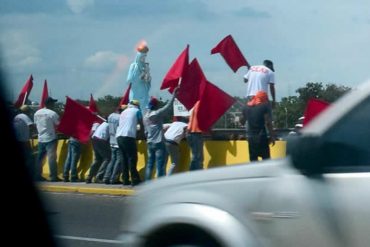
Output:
x,y
174,133
46,121
102,153
126,139
261,78
22,124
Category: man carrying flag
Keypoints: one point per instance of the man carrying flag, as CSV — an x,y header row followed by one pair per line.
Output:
x,y
260,78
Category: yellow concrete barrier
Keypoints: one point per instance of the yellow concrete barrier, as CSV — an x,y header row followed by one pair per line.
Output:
x,y
216,154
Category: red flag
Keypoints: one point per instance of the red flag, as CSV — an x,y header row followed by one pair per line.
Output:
x,y
313,108
176,71
77,120
188,93
25,92
125,98
213,104
92,105
231,53
44,95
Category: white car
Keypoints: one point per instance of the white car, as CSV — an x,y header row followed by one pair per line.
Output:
x,y
319,195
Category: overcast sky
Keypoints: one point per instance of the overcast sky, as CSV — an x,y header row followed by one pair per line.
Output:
x,y
85,46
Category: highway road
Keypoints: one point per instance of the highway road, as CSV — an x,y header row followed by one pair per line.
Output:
x,y
84,220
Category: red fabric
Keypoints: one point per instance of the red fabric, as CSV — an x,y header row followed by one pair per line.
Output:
x,y
125,98
25,92
92,105
231,53
313,108
213,104
44,95
77,121
188,93
171,80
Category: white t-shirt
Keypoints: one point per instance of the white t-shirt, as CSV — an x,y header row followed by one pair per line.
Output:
x,y
128,121
176,131
21,124
259,77
46,121
102,132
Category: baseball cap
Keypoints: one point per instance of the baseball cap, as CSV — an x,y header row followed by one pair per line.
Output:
x,y
50,100
24,108
135,102
269,64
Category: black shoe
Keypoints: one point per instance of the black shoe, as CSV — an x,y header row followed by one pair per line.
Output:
x,y
106,181
75,180
66,180
88,180
55,180
134,183
127,183
41,179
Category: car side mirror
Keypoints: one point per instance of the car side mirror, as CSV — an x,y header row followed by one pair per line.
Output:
x,y
307,154
313,155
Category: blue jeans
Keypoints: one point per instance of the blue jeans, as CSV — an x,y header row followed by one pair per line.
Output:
x,y
73,155
115,166
156,154
195,141
173,150
49,148
102,153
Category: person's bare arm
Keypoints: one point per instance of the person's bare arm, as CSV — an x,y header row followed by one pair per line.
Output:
x,y
268,124
272,91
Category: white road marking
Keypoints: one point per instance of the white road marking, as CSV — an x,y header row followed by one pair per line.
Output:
x,y
89,239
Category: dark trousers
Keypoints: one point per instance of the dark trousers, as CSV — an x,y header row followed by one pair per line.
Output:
x,y
258,147
128,148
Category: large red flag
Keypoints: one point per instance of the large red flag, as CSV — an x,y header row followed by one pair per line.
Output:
x,y
213,104
77,120
125,98
25,92
176,71
44,95
313,108
231,53
188,93
92,105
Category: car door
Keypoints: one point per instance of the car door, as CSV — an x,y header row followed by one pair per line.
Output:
x,y
328,209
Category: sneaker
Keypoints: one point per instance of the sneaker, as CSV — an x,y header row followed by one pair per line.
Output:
x,y
134,183
41,179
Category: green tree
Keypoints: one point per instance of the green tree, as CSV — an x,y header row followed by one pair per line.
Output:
x,y
290,108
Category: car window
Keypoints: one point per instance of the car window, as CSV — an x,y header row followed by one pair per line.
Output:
x,y
348,141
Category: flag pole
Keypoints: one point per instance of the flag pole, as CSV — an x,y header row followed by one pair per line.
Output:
x,y
25,97
101,118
